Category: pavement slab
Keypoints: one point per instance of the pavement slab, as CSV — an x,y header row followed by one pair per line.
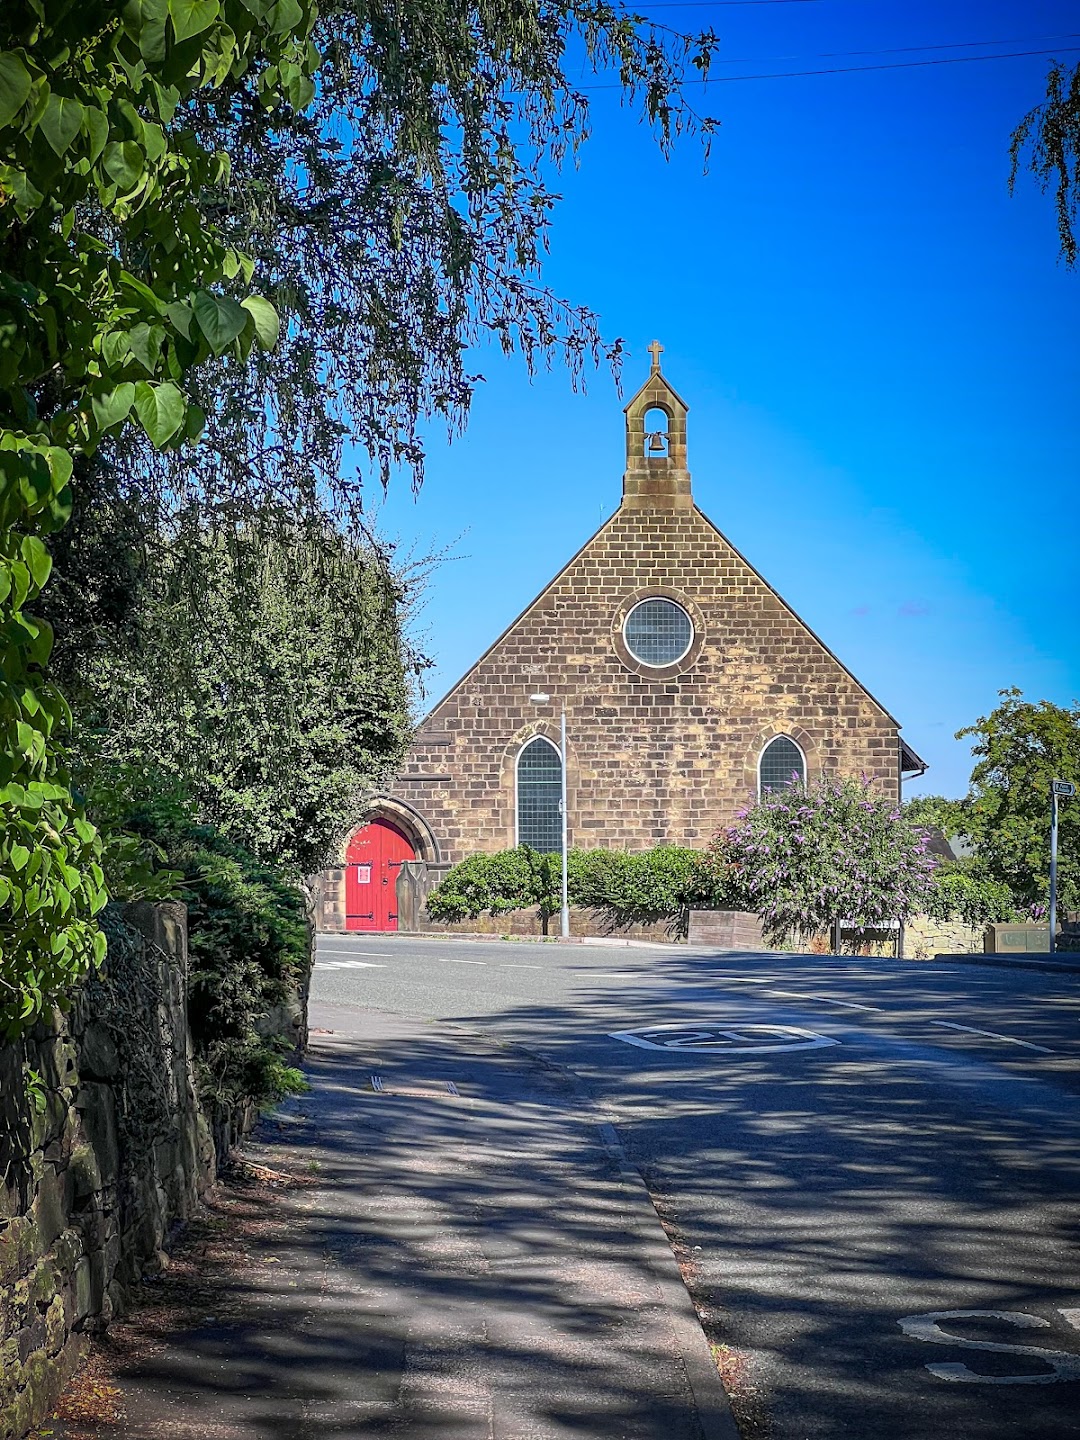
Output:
x,y
471,1260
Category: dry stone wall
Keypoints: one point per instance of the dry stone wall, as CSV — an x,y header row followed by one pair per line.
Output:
x,y
100,1163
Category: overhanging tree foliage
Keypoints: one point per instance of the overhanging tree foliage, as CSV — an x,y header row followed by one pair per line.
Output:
x,y
97,334
1048,139
402,216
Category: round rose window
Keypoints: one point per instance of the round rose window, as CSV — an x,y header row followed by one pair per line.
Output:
x,y
658,632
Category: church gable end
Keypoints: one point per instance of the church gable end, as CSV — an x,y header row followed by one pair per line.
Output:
x,y
677,665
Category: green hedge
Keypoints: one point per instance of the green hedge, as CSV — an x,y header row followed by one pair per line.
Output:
x,y
622,888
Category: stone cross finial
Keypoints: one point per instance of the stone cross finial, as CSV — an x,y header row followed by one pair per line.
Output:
x,y
655,350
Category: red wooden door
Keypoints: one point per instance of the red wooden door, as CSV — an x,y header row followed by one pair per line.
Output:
x,y
373,862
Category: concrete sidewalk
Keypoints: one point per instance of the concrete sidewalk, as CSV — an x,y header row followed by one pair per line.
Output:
x,y
473,1262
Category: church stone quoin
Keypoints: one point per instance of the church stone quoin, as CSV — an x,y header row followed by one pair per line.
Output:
x,y
688,684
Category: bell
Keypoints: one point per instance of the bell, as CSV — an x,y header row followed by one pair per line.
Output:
x,y
657,441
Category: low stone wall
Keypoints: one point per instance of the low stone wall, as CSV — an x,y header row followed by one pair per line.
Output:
x,y
100,1163
524,923
924,938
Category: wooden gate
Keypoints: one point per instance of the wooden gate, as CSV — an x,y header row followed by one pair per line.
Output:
x,y
373,862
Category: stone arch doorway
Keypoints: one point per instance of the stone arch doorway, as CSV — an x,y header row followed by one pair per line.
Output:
x,y
373,861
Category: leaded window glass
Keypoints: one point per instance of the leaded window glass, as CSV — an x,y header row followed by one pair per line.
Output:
x,y
781,765
658,632
539,791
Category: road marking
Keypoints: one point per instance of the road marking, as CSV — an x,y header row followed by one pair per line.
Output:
x,y
511,965
828,999
348,950
376,1082
456,961
992,1035
713,1040
1065,1366
347,965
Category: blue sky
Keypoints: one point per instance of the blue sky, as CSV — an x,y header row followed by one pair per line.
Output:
x,y
878,346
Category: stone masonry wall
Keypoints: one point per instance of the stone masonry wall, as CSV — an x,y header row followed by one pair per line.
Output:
x,y
93,1176
653,756
924,938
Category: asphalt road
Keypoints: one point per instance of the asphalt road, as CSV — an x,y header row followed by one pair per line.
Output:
x,y
879,1161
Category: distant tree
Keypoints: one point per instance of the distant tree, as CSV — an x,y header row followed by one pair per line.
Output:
x,y
814,854
1019,748
1049,137
940,812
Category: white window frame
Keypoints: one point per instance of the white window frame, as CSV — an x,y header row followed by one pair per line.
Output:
x,y
771,740
649,664
517,772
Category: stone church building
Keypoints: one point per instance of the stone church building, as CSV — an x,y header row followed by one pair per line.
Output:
x,y
689,687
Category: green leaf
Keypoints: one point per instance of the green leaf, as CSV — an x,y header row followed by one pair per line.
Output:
x,y
114,406
60,466
191,17
195,423
181,317
123,161
18,856
15,83
61,122
26,195
38,560
161,410
146,342
96,125
220,319
266,320
145,20
283,16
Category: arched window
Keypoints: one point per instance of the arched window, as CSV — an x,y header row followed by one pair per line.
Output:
x,y
539,791
782,764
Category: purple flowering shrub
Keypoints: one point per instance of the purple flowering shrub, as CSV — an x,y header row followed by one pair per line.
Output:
x,y
813,854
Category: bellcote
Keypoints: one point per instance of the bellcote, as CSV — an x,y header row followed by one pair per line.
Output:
x,y
656,476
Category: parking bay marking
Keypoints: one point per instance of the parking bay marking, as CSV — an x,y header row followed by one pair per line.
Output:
x,y
1065,1365
992,1035
702,1039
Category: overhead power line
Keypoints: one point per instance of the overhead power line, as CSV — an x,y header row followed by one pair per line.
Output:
x,y
853,69
896,50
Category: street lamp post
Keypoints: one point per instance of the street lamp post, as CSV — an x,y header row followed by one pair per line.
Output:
x,y
564,927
